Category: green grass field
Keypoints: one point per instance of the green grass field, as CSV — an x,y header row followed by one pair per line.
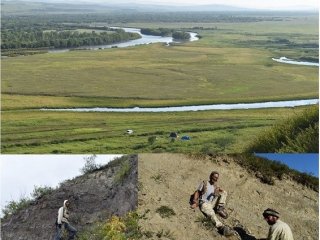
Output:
x,y
157,72
229,64
65,132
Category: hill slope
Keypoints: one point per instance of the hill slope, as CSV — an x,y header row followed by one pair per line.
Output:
x,y
168,180
95,196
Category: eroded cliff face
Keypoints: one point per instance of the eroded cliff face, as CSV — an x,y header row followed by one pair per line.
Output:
x,y
169,179
94,197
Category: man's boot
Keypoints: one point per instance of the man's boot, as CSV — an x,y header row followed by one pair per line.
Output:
x,y
221,211
226,231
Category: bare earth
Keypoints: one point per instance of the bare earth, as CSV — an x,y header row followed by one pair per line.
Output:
x,y
169,179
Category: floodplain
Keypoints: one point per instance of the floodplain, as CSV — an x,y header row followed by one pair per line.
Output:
x,y
231,63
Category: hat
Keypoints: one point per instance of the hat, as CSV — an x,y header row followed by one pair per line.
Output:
x,y
270,212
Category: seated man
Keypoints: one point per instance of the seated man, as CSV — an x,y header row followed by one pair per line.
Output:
x,y
211,200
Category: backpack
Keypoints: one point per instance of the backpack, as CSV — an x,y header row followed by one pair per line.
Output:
x,y
193,199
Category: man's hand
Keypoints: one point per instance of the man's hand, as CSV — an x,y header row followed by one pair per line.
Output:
x,y
218,190
193,206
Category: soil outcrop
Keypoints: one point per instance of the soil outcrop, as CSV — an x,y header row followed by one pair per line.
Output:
x,y
167,180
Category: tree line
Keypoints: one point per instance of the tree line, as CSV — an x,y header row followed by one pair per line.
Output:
x,y
166,32
61,39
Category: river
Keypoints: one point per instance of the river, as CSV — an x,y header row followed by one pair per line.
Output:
x,y
145,39
276,104
290,61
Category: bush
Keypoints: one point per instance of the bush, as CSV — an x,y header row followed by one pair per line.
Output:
x,y
39,192
165,211
152,139
14,206
90,165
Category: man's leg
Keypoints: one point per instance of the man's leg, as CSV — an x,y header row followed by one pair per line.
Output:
x,y
71,230
207,208
219,203
223,198
58,233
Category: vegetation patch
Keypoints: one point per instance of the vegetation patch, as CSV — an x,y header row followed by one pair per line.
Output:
x,y
165,211
122,172
116,228
297,134
267,171
15,206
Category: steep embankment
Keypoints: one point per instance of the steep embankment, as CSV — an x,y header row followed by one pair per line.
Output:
x,y
95,196
168,180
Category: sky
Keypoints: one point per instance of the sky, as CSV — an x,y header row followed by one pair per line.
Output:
x,y
257,4
20,173
308,163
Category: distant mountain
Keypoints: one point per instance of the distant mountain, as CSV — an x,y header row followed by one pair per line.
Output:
x,y
176,8
73,6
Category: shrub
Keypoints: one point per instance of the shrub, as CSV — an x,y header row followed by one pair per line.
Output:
x,y
152,139
116,228
165,211
90,165
14,206
39,192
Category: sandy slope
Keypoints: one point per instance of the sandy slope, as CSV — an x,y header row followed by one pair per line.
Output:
x,y
169,179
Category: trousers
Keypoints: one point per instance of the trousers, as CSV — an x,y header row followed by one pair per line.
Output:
x,y
71,231
208,208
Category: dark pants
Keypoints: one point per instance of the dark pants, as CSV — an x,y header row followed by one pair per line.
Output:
x,y
71,230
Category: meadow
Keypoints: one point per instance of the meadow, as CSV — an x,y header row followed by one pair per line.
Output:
x,y
230,63
66,132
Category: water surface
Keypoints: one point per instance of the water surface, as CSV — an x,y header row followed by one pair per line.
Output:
x,y
278,104
290,61
145,39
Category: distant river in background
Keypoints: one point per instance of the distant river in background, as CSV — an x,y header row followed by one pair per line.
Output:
x,y
290,61
145,39
278,104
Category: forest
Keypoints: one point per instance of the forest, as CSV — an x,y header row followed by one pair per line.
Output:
x,y
38,38
166,32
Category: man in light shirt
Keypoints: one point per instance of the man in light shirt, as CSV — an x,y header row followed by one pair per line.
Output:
x,y
62,220
211,200
278,230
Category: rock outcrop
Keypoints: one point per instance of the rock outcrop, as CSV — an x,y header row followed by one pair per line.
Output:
x,y
95,196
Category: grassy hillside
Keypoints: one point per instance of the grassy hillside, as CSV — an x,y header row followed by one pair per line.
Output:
x,y
299,133
167,180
